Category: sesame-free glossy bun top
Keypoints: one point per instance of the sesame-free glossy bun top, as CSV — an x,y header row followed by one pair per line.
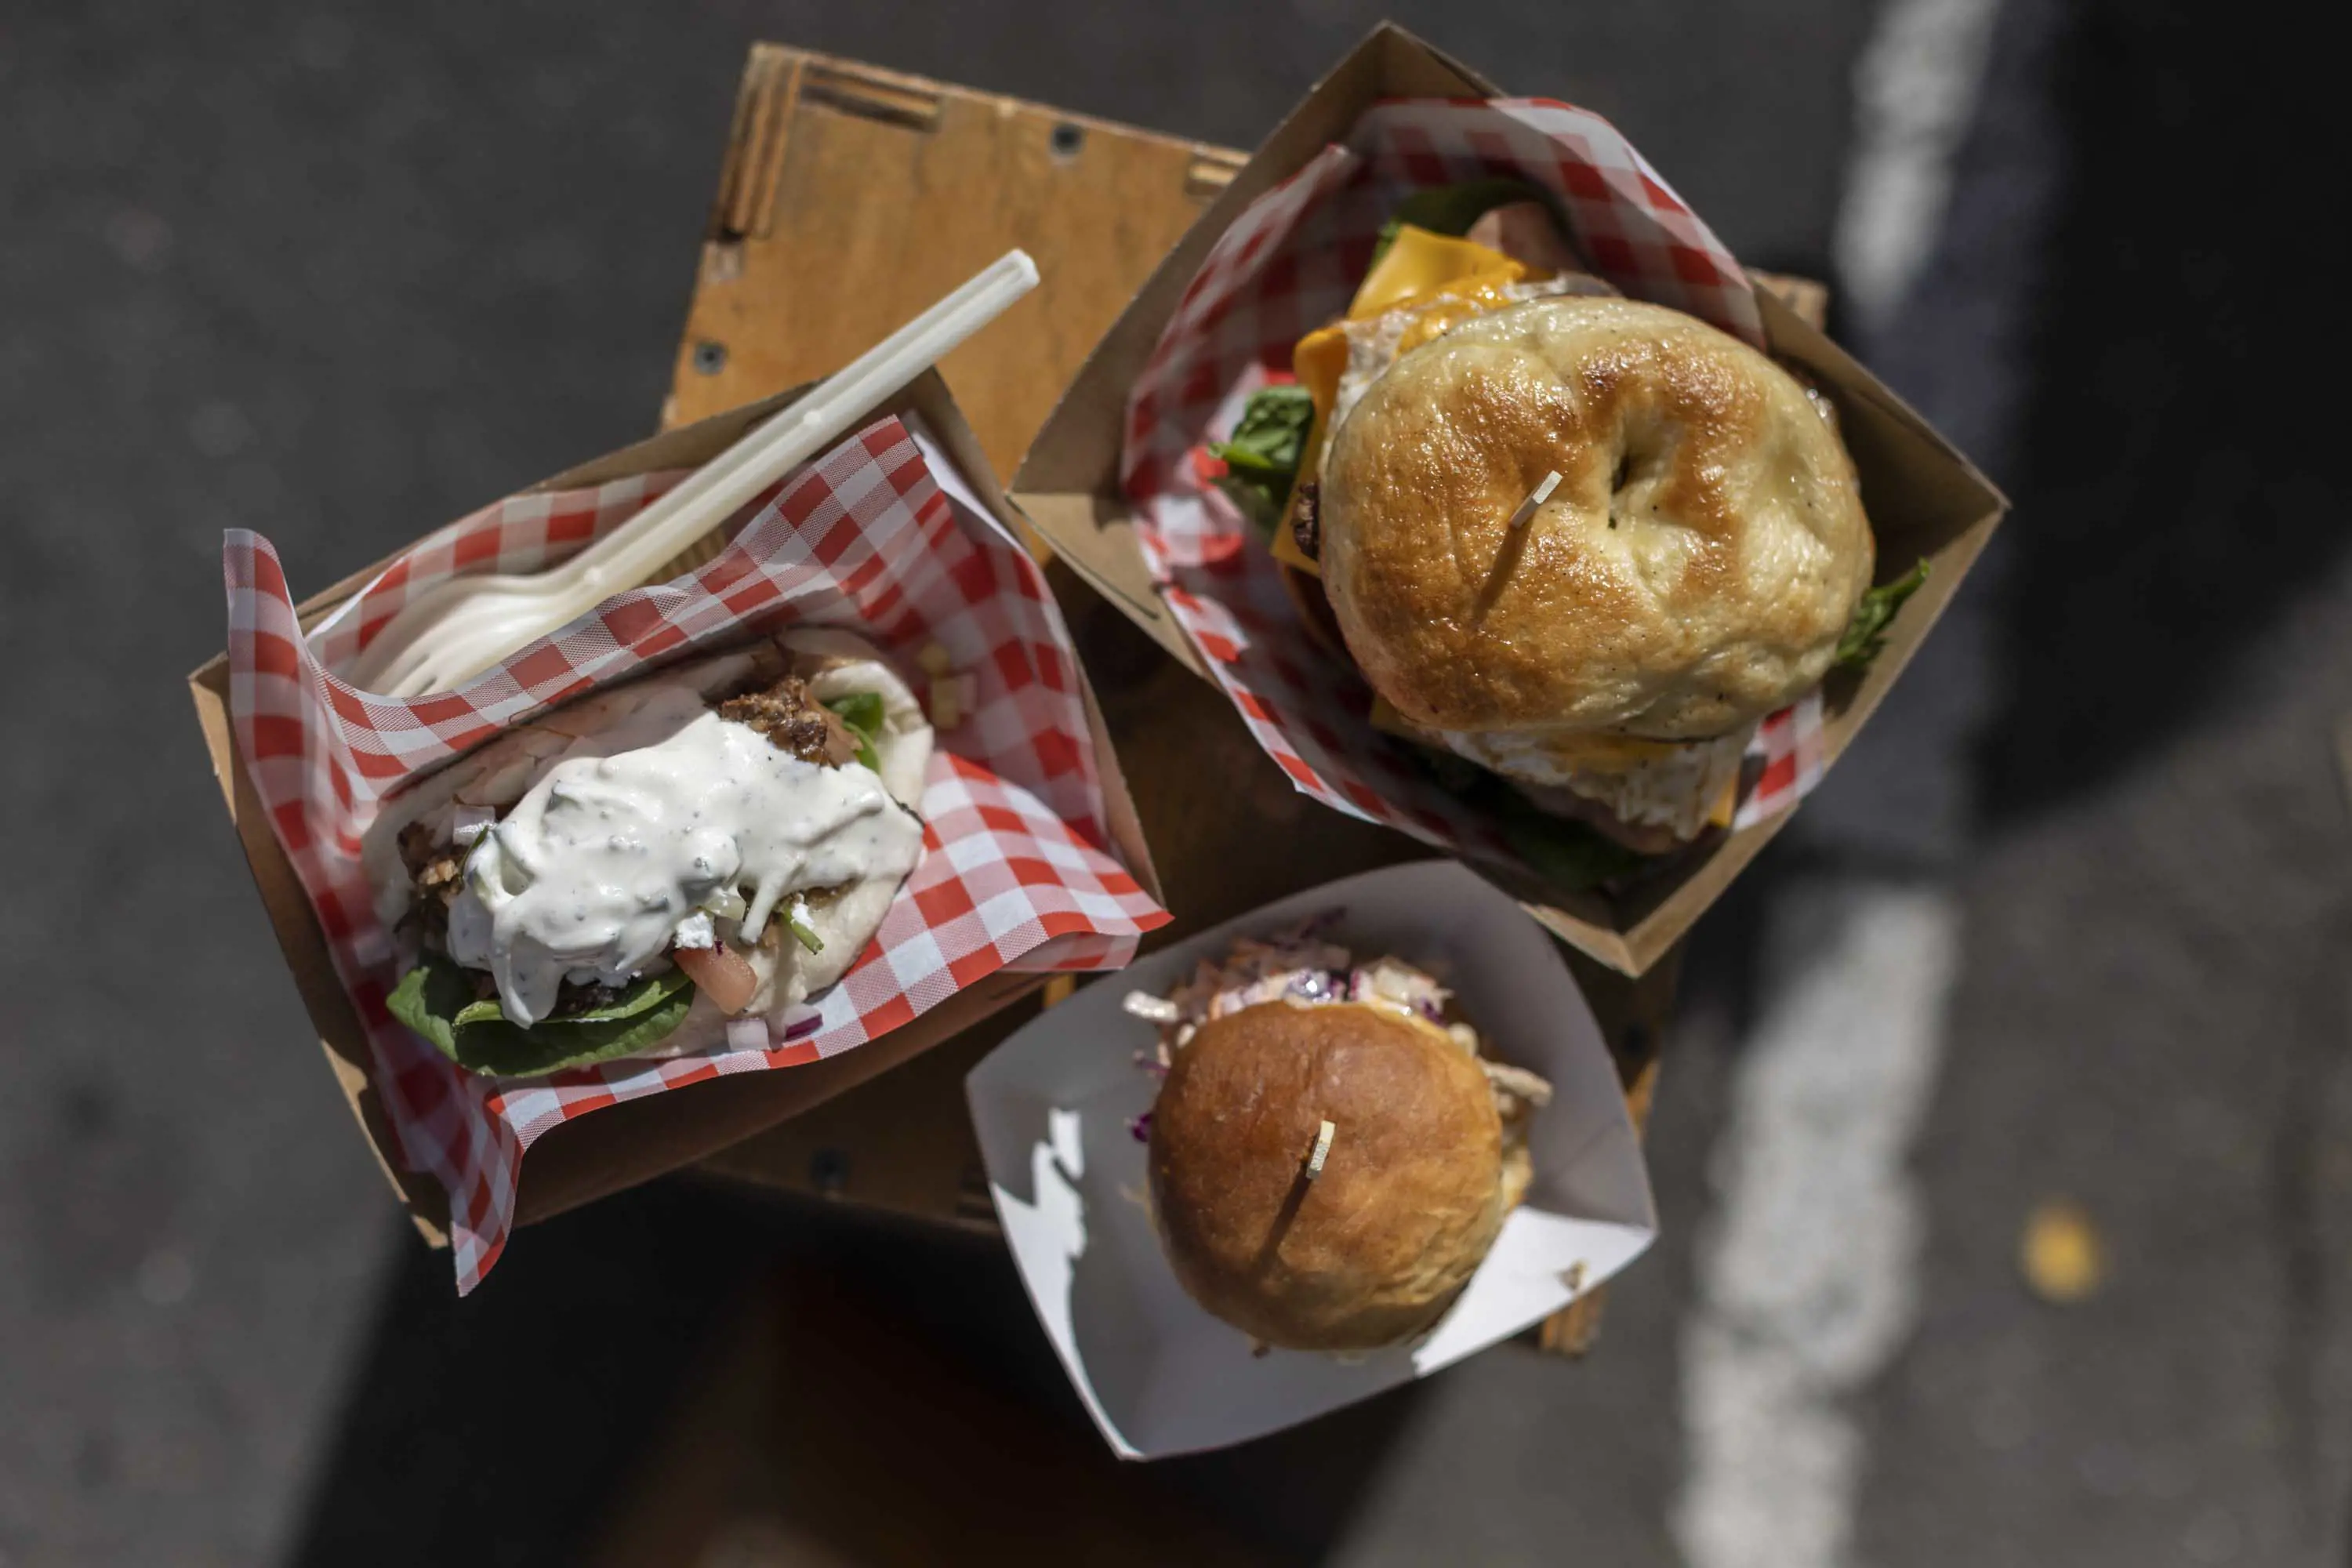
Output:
x,y
1411,1195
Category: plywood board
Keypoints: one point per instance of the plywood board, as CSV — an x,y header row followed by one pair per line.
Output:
x,y
853,197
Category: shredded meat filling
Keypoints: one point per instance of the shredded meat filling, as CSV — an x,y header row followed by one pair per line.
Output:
x,y
572,998
783,712
434,867
793,721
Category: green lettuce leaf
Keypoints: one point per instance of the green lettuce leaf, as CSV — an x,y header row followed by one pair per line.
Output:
x,y
1261,457
1451,209
437,999
1865,634
862,712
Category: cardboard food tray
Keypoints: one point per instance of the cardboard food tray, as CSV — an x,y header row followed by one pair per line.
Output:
x,y
1924,498
634,1141
1055,1108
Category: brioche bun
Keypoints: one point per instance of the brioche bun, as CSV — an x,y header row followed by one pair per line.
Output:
x,y
1409,1200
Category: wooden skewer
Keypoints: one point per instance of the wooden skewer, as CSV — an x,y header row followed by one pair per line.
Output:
x,y
1296,1197
1535,498
1323,1136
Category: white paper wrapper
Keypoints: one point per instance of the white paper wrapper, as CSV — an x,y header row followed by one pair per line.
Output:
x,y
1053,1105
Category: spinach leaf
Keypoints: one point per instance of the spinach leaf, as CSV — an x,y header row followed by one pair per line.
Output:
x,y
1262,455
1865,634
437,999
862,712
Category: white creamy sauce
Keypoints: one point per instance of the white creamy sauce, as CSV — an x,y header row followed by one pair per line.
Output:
x,y
592,873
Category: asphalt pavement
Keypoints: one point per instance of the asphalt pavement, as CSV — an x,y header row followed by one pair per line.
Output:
x,y
338,275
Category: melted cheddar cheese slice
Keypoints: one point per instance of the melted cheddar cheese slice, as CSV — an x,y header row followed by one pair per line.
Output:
x,y
1443,281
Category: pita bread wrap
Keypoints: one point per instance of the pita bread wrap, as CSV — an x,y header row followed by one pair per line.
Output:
x,y
633,873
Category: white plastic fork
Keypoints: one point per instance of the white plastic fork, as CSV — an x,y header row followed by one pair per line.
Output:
x,y
458,628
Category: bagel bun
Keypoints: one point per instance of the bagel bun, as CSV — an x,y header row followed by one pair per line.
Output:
x,y
1692,572
1409,1199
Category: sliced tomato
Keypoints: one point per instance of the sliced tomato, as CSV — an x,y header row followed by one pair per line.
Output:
x,y
721,973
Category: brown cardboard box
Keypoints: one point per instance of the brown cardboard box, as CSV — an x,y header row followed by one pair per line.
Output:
x,y
635,1140
1924,499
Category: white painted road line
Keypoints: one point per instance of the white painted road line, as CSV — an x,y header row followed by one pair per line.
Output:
x,y
1807,1273
1808,1268
1915,89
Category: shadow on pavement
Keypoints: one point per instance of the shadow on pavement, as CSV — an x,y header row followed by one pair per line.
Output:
x,y
544,1418
489,1430
2179,482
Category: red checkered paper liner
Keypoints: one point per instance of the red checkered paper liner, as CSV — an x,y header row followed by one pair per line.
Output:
x,y
1289,264
1014,874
